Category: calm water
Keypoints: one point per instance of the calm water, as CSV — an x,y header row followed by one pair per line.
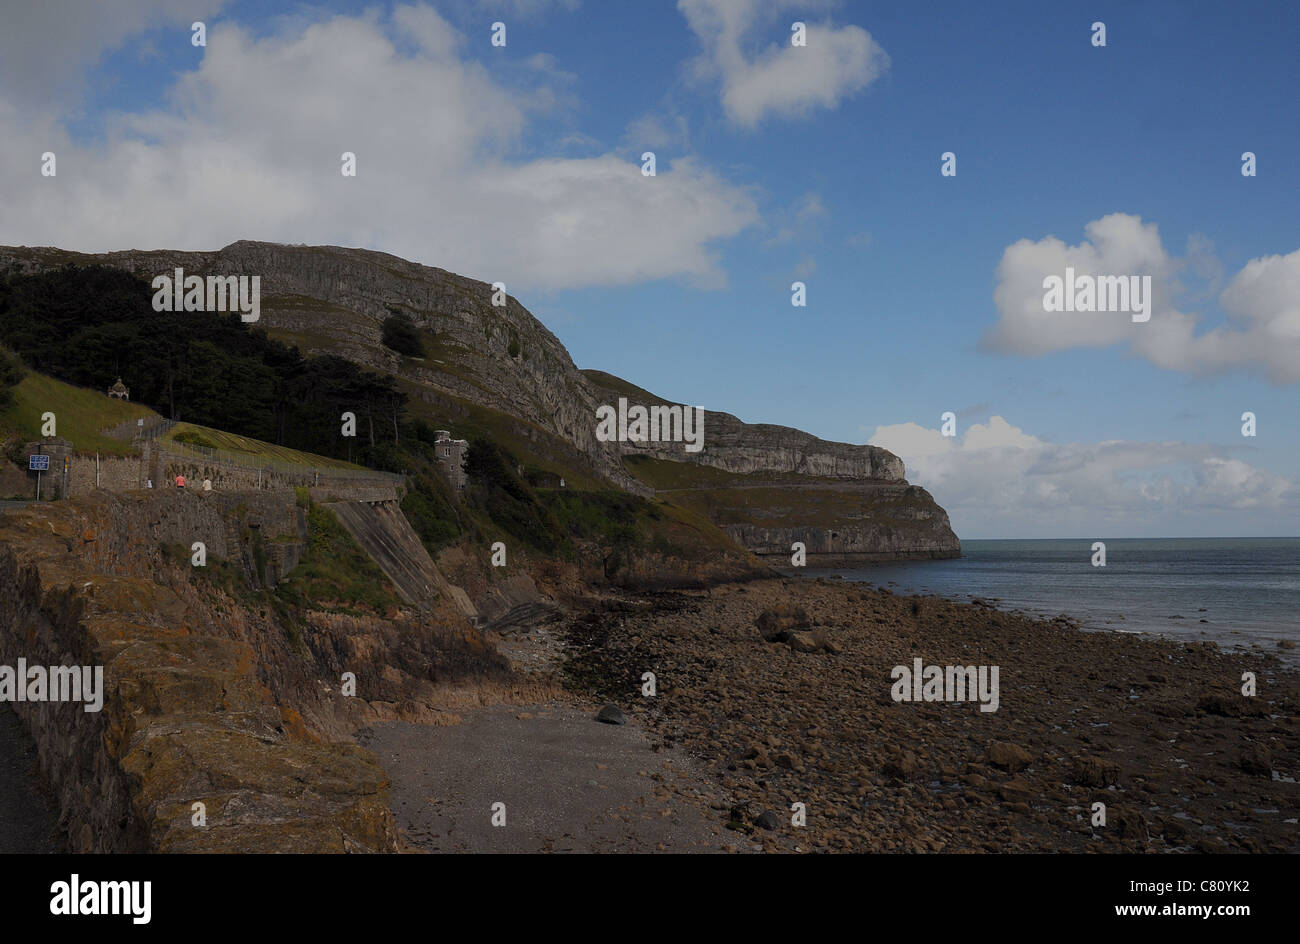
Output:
x,y
1235,591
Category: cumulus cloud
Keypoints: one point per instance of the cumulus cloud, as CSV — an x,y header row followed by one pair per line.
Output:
x,y
781,80
435,137
1261,303
46,46
996,480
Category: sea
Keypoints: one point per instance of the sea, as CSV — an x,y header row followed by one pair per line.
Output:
x,y
1238,592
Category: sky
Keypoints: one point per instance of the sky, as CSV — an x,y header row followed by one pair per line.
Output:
x,y
775,163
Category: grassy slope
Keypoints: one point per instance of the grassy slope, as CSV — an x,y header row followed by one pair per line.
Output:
x,y
253,448
79,413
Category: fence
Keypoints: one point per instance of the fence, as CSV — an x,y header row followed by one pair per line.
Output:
x,y
129,430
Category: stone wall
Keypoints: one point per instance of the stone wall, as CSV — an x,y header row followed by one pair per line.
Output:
x,y
115,473
125,473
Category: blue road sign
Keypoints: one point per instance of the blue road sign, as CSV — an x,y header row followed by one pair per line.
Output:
x,y
38,463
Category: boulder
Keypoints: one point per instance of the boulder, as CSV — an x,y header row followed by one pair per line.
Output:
x,y
1008,756
774,624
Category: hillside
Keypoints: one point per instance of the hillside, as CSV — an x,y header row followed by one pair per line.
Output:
x,y
81,415
494,371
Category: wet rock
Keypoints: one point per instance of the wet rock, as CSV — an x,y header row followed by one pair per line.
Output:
x,y
611,714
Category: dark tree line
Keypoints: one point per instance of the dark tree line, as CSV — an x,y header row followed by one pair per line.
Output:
x,y
90,325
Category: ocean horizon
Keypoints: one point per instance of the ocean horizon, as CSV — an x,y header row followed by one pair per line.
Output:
x,y
1237,592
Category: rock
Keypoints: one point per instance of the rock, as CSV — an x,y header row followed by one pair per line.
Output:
x,y
1008,756
1231,706
1175,831
1128,824
767,820
815,641
1286,643
611,714
774,624
1257,759
1093,772
902,765
1016,790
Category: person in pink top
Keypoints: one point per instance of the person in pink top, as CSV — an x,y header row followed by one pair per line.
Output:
x,y
180,481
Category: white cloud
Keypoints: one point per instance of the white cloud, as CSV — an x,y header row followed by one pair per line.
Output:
x,y
525,9
781,80
1262,303
801,221
656,131
437,178
46,46
996,480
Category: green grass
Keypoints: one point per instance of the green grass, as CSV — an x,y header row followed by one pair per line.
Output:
x,y
210,438
80,414
802,507
533,446
617,519
335,573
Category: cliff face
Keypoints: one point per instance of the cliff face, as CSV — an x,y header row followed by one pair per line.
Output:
x,y
891,522
328,299
775,486
185,717
744,448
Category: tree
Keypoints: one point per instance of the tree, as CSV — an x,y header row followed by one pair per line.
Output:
x,y
401,335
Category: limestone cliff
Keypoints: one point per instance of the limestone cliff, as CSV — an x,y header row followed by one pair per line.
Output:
x,y
769,487
501,367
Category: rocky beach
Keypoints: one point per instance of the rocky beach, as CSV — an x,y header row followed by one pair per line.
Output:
x,y
1158,731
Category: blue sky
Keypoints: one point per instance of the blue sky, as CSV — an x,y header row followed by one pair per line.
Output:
x,y
520,164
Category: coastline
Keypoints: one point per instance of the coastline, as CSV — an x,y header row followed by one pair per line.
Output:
x,y
1157,730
